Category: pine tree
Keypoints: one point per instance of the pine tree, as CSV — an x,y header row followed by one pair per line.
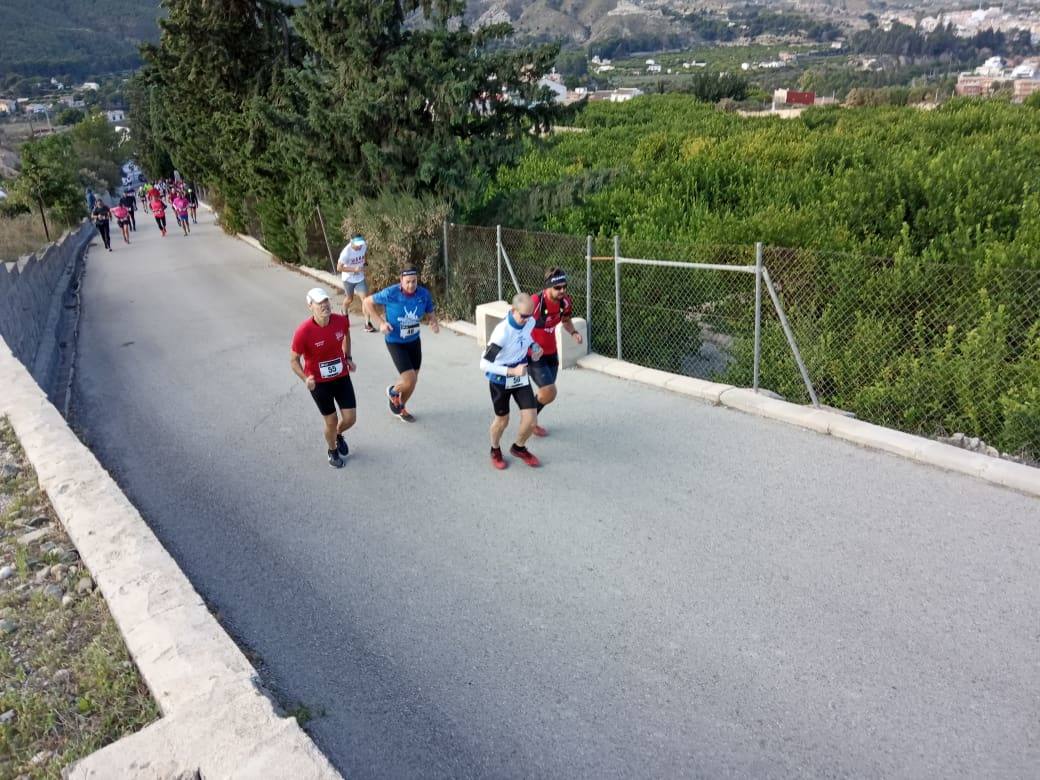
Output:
x,y
401,95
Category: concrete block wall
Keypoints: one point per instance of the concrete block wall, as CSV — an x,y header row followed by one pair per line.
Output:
x,y
32,292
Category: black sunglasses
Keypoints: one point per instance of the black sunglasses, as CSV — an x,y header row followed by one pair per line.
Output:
x,y
560,287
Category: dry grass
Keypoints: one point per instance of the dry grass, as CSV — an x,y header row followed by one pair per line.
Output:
x,y
67,684
23,235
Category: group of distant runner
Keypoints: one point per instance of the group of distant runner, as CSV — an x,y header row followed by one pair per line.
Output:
x,y
157,198
521,349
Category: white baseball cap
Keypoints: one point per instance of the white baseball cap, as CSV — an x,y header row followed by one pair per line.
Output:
x,y
357,242
317,295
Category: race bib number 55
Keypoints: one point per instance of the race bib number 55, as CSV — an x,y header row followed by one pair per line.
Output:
x,y
330,369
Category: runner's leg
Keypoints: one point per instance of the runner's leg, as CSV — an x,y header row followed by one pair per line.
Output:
x,y
528,418
331,429
406,385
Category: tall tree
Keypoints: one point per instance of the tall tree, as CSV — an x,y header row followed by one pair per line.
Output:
x,y
402,95
47,180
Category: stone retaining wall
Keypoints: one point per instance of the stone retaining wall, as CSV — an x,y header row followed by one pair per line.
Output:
x,y
32,302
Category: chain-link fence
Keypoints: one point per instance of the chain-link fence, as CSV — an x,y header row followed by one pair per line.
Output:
x,y
926,348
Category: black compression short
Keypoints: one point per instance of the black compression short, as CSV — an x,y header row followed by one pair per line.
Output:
x,y
337,391
406,357
524,396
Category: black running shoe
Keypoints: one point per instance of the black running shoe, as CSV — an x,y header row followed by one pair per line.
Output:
x,y
335,460
341,446
405,415
393,395
370,328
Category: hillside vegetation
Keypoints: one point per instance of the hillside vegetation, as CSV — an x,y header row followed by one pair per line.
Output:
x,y
45,37
911,271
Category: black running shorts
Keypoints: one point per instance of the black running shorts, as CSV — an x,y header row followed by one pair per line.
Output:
x,y
544,371
524,396
406,357
337,391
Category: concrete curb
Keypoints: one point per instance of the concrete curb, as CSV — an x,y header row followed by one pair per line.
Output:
x,y
917,448
216,718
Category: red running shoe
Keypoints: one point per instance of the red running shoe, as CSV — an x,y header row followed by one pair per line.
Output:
x,y
540,431
496,458
524,455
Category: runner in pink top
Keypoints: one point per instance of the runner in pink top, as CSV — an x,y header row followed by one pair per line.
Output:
x,y
180,208
122,215
158,209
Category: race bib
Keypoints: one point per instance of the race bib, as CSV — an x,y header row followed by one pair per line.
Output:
x,y
409,330
516,381
329,369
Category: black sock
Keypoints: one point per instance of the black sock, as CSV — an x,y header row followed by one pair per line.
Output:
x,y
496,449
539,406
519,447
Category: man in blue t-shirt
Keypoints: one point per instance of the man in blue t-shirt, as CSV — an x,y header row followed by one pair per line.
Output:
x,y
397,311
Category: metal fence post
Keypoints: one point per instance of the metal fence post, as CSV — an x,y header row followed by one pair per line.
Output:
x,y
617,292
758,313
325,235
498,257
447,274
790,338
588,290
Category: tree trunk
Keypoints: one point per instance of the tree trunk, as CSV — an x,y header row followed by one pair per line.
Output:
x,y
43,216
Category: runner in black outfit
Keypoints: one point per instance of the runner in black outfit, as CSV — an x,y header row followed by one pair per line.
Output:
x,y
130,202
193,203
101,216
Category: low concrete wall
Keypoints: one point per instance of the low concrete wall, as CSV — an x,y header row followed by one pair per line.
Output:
x,y
216,719
32,302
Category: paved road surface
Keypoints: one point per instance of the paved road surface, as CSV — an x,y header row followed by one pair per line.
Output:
x,y
681,591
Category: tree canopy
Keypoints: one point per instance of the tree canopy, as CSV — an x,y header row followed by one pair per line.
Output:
x,y
281,108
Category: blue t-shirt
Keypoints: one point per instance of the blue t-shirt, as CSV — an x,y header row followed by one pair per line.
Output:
x,y
404,312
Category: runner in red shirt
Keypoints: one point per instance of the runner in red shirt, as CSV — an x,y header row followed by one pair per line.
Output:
x,y
552,307
320,356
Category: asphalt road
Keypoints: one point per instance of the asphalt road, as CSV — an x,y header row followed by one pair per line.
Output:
x,y
682,590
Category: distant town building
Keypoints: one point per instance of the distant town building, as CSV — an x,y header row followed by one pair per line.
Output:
x,y
615,95
91,85
8,106
115,115
1023,88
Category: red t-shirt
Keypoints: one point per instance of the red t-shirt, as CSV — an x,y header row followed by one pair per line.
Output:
x,y
547,317
322,348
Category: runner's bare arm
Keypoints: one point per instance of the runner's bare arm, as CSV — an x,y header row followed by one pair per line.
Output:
x,y
351,366
296,364
375,313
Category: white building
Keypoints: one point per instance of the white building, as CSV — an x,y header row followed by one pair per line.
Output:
x,y
92,85
115,115
655,68
558,88
8,106
994,66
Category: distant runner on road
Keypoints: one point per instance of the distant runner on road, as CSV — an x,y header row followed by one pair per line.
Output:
x,y
101,216
180,209
320,356
122,215
158,209
505,365
193,204
552,307
397,311
351,265
129,202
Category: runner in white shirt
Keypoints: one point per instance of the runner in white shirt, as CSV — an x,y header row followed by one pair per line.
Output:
x,y
505,365
351,265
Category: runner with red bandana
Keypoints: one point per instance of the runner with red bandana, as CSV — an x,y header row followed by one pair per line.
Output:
x,y
552,307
